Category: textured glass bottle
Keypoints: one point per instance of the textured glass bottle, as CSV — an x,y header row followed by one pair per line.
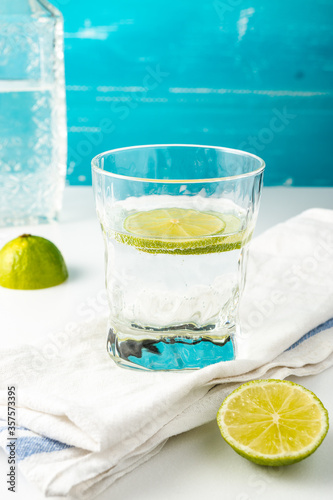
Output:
x,y
33,137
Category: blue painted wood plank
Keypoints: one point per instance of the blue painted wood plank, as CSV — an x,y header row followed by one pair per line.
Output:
x,y
217,72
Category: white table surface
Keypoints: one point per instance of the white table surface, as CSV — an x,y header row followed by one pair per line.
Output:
x,y
194,465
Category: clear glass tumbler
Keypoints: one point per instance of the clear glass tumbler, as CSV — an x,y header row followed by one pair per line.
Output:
x,y
177,221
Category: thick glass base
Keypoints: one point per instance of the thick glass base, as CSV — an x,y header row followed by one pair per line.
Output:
x,y
172,350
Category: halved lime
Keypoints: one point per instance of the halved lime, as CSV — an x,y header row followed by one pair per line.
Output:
x,y
182,231
273,422
31,262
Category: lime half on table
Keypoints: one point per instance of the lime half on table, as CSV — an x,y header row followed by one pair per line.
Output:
x,y
273,422
181,231
30,263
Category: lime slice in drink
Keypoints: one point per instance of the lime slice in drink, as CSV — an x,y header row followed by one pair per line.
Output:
x,y
273,422
173,223
181,231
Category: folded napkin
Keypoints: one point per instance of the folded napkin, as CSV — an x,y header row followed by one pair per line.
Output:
x,y
84,422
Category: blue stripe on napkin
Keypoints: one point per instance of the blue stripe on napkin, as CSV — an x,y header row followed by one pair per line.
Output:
x,y
27,446
32,444
17,427
324,326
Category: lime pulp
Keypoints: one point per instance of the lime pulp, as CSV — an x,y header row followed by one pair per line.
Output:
x,y
273,422
183,231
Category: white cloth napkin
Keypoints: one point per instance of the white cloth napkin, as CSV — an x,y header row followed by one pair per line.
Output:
x,y
84,422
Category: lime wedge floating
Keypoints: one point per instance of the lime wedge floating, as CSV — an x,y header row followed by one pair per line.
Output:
x,y
273,422
182,231
31,262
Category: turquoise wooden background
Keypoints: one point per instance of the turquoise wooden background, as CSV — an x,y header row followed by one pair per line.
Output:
x,y
249,74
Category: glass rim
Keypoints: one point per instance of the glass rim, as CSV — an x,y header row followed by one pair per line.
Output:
x,y
237,152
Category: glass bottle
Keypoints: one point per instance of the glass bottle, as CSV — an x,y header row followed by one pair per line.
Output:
x,y
33,135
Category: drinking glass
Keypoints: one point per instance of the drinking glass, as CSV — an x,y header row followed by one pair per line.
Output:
x,y
177,221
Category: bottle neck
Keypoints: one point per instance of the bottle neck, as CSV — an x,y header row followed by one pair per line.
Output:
x,y
22,7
